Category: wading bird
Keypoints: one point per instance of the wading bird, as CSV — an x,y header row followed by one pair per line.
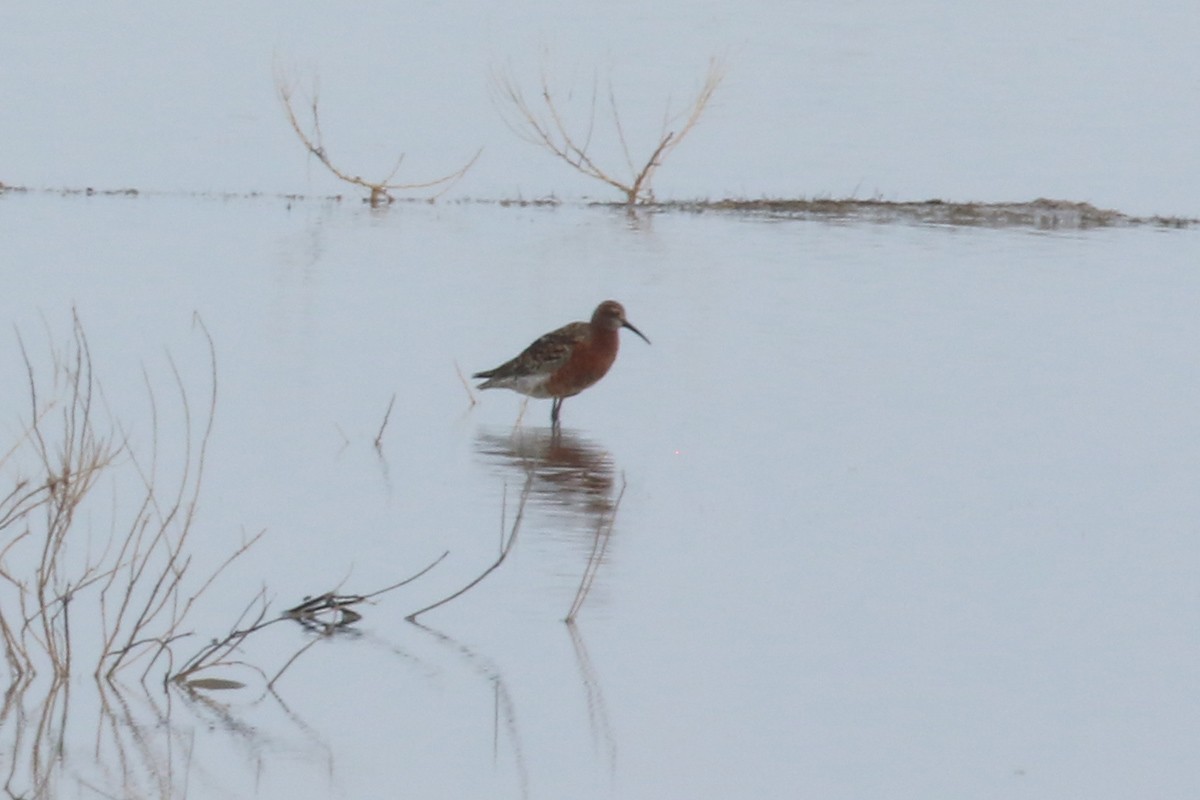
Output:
x,y
564,362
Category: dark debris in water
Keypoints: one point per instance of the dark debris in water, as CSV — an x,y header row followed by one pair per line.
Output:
x,y
214,684
327,612
1043,214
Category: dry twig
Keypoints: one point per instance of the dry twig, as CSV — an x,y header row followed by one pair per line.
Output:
x,y
386,416
467,386
324,614
506,546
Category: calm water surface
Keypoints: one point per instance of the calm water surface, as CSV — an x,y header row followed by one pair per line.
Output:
x,y
907,101
896,510
891,510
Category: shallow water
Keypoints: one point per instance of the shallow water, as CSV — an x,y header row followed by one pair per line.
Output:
x,y
896,509
891,507
904,101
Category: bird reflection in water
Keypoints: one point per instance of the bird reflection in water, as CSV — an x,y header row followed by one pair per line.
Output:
x,y
573,477
572,480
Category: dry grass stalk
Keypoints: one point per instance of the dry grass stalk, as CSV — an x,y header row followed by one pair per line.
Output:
x,y
324,614
386,416
218,651
466,385
379,191
144,603
604,528
542,122
138,583
68,456
58,589
506,546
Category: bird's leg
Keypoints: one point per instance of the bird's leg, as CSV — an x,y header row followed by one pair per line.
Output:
x,y
554,408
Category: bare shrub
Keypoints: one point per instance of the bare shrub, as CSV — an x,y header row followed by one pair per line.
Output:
x,y
543,122
65,598
379,190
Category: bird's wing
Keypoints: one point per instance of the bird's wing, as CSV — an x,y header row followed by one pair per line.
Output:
x,y
551,351
548,353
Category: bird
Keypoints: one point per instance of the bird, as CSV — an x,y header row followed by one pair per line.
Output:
x,y
566,361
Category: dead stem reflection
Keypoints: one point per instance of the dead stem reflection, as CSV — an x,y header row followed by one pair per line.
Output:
x,y
598,722
254,743
34,734
136,750
575,483
504,709
144,743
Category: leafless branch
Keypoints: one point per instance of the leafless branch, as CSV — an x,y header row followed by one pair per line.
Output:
x,y
379,191
543,124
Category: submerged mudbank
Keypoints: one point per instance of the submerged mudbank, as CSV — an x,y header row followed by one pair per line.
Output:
x,y
1040,213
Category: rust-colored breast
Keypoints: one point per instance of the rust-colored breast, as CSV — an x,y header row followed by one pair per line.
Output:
x,y
590,360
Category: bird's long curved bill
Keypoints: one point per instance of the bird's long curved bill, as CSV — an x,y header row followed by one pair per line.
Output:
x,y
635,330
